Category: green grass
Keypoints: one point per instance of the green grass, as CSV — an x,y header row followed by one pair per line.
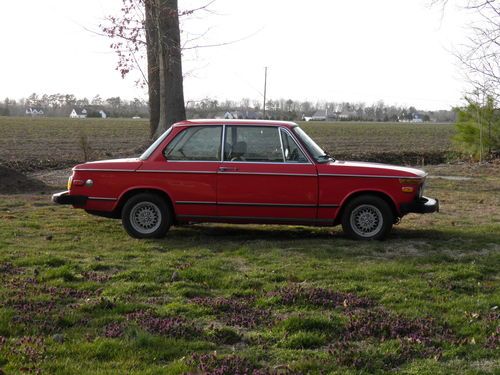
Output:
x,y
38,143
77,295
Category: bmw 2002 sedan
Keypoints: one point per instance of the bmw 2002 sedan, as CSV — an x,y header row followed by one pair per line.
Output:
x,y
242,171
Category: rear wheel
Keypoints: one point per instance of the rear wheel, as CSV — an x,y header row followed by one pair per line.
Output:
x,y
367,217
146,215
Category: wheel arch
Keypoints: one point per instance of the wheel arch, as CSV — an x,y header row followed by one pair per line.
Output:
x,y
378,193
126,195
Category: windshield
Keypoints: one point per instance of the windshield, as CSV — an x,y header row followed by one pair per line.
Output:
x,y
316,152
146,154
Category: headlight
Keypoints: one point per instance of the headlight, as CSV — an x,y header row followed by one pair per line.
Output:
x,y
410,181
70,180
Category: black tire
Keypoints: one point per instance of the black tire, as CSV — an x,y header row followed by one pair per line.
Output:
x,y
146,215
367,217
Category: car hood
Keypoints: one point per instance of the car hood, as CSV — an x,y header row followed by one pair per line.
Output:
x,y
128,164
370,169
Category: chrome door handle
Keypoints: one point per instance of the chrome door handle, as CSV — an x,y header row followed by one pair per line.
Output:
x,y
227,169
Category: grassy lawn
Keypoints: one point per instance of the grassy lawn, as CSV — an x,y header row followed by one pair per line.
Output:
x,y
78,296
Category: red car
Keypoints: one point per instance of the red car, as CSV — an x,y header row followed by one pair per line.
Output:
x,y
242,171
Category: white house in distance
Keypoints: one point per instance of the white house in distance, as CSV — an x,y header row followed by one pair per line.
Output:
x,y
75,114
84,113
33,112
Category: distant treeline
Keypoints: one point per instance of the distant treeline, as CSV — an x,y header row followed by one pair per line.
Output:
x,y
283,109
61,105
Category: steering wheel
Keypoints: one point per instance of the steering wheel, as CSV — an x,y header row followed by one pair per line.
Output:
x,y
294,155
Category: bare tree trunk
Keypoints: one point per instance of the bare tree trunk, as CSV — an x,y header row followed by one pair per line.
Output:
x,y
172,107
151,26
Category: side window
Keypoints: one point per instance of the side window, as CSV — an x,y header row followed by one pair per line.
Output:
x,y
198,143
253,144
293,154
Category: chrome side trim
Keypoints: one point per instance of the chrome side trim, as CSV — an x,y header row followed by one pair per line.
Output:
x,y
365,176
271,174
102,199
103,170
266,204
173,171
230,173
258,219
197,202
283,205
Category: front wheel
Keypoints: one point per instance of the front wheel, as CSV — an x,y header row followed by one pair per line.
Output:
x,y
367,217
146,216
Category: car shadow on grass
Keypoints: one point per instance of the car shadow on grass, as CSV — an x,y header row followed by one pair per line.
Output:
x,y
281,236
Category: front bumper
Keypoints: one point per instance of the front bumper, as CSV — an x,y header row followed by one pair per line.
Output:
x,y
64,198
424,205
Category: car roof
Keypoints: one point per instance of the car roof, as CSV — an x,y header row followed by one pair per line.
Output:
x,y
287,124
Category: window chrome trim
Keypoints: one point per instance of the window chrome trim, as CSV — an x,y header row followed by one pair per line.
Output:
x,y
215,125
223,143
265,162
148,152
193,161
281,143
270,162
300,146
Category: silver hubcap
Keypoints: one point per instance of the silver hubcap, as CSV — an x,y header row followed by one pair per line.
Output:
x,y
366,220
145,217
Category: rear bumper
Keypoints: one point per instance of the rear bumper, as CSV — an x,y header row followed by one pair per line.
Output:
x,y
424,205
64,198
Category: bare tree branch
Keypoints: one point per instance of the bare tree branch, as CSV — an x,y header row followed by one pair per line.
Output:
x,y
480,57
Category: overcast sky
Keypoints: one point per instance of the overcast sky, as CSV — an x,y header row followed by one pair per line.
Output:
x,y
319,50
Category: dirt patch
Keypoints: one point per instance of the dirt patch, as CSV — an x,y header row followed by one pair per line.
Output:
x,y
13,182
34,165
54,178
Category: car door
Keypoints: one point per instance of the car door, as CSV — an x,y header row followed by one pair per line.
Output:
x,y
188,171
265,176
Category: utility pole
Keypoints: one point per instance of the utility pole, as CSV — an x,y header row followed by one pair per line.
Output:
x,y
265,90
